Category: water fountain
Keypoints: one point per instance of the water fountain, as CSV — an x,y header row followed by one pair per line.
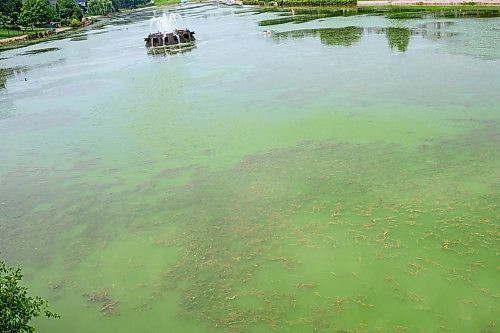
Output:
x,y
166,32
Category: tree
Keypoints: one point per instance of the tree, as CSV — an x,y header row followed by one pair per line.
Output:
x,y
4,19
11,9
37,12
129,3
17,308
69,10
100,7
116,4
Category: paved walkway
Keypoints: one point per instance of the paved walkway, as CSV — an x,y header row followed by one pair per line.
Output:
x,y
58,30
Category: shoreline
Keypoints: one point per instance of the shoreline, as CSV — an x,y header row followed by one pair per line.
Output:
x,y
428,3
14,39
11,41
25,40
31,37
17,41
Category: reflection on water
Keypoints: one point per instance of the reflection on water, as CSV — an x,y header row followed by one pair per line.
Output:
x,y
341,36
79,38
6,73
37,51
436,30
438,25
329,36
303,15
171,50
100,32
398,37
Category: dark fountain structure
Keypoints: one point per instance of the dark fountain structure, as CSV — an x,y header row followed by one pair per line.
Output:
x,y
169,38
167,33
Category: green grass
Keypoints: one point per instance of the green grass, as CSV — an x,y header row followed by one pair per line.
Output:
x,y
438,8
4,33
7,33
166,2
315,3
301,3
410,12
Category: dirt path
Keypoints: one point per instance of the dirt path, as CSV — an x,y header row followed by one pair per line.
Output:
x,y
429,2
13,39
58,30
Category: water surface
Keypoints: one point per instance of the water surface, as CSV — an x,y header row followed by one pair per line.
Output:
x,y
294,171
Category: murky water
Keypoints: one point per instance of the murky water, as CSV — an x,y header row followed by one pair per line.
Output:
x,y
340,172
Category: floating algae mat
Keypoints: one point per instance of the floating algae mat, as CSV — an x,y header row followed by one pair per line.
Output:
x,y
335,174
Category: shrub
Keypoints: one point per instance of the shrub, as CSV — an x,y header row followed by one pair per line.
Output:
x,y
17,308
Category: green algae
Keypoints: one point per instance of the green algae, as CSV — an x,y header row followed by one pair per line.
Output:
x,y
302,247
356,192
249,246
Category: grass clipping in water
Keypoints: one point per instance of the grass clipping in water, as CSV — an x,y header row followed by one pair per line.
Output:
x,y
330,237
320,237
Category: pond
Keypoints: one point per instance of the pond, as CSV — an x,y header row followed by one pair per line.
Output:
x,y
296,170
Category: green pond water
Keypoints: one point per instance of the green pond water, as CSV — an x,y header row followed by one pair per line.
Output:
x,y
339,173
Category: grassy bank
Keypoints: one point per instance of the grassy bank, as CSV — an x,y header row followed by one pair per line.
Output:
x,y
301,3
166,2
443,8
412,12
34,37
8,33
495,10
28,35
5,33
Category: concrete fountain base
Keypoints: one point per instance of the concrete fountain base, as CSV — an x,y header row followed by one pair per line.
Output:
x,y
169,38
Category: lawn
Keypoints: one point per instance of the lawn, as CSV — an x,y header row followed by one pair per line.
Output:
x,y
7,33
4,33
166,2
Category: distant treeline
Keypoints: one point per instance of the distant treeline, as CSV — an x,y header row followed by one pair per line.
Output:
x,y
129,3
103,7
35,13
301,3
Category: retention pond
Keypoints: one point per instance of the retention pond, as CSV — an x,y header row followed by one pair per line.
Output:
x,y
293,171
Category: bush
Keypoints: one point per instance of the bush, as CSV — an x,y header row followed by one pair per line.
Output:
x,y
17,308
37,12
68,10
75,22
100,7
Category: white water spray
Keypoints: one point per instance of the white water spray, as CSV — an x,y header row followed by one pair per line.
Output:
x,y
164,23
